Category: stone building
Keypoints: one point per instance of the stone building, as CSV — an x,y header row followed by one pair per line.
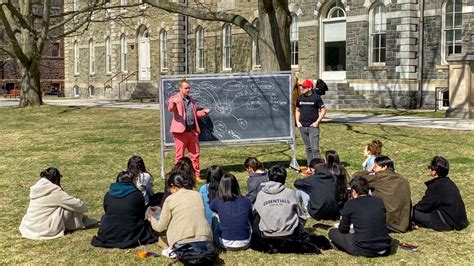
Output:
x,y
377,53
52,62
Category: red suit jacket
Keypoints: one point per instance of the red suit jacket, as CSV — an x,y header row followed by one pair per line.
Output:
x,y
178,124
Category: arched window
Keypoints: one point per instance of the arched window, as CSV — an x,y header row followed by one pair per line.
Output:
x,y
76,91
336,12
256,64
123,53
108,55
294,32
76,58
91,57
378,32
199,48
163,50
227,47
452,28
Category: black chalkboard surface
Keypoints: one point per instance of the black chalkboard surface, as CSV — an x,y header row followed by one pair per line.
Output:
x,y
243,108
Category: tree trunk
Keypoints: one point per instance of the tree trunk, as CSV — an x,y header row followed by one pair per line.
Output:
x,y
274,35
30,85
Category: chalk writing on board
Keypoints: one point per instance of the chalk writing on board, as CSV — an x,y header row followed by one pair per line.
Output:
x,y
224,101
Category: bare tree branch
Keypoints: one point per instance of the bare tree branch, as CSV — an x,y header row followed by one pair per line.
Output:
x,y
11,31
45,23
22,20
8,50
237,20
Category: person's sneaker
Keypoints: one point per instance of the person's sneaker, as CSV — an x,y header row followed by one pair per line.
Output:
x,y
307,172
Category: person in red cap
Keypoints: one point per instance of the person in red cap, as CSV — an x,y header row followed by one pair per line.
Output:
x,y
309,113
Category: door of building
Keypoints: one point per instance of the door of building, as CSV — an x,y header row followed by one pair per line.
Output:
x,y
333,45
144,70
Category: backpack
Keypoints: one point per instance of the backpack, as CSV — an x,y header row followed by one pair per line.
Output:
x,y
321,87
197,253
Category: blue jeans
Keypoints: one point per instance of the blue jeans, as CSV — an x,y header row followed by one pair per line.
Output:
x,y
310,137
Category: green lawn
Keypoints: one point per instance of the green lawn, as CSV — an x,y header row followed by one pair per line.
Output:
x,y
91,145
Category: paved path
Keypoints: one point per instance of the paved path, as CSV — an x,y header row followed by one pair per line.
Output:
x,y
410,121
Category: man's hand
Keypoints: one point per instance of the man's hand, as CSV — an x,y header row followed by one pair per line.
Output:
x,y
298,124
315,124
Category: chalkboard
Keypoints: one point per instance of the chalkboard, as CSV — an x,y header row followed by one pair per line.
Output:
x,y
242,107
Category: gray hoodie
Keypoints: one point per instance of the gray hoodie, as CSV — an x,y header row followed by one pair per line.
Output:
x,y
278,210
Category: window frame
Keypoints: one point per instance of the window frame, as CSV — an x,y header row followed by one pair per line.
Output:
x,y
200,48
108,55
378,7
256,63
444,29
227,47
163,50
92,64
123,53
76,66
294,41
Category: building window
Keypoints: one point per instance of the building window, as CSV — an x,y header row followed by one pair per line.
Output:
x,y
108,55
108,10
91,91
123,4
452,28
378,31
336,12
75,5
294,32
256,64
200,48
227,44
76,91
123,53
91,57
76,58
163,50
55,52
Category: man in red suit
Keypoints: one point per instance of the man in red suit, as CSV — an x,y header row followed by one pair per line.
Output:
x,y
184,126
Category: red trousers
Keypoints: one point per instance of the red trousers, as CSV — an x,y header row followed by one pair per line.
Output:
x,y
188,140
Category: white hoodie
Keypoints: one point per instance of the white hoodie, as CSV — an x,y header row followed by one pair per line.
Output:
x,y
44,218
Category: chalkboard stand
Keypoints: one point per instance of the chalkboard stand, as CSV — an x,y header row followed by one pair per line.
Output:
x,y
273,106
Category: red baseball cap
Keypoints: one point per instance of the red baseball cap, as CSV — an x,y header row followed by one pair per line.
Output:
x,y
307,84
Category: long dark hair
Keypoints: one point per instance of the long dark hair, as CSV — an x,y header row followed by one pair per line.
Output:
x,y
334,166
253,163
136,166
228,188
181,180
183,166
52,174
213,177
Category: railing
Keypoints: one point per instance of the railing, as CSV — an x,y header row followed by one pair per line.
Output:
x,y
126,84
111,80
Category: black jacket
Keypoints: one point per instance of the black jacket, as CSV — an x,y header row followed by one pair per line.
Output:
x,y
322,191
254,184
442,197
123,225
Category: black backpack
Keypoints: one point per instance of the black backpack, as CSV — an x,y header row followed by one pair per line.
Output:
x,y
321,87
198,253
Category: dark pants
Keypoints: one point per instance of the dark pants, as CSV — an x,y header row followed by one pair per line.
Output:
x,y
344,242
310,137
422,218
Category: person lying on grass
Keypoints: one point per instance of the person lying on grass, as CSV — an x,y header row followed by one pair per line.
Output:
x,y
51,210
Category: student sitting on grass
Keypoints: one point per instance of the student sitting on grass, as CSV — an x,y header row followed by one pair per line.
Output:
x,y
182,216
231,227
184,166
371,150
257,176
442,207
394,190
123,225
143,180
324,193
51,210
367,215
208,191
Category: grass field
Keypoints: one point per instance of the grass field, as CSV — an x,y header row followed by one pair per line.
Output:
x,y
91,145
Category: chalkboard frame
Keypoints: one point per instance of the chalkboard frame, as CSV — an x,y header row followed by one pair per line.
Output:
x,y
288,140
